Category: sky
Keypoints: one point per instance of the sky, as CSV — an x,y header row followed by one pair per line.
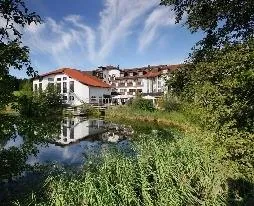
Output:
x,y
85,34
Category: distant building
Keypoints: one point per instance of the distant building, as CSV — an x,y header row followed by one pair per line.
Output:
x,y
145,80
77,87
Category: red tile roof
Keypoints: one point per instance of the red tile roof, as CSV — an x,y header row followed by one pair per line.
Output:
x,y
80,76
153,74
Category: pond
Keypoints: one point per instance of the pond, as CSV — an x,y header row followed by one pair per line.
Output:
x,y
30,148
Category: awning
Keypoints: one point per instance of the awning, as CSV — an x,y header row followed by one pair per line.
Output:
x,y
123,97
149,97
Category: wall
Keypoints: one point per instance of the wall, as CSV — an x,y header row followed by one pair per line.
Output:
x,y
108,74
81,91
99,92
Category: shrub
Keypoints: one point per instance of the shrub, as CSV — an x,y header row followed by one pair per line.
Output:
x,y
44,103
89,110
142,104
222,87
169,103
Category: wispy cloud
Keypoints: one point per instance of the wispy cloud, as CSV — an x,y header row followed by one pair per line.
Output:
x,y
72,39
160,17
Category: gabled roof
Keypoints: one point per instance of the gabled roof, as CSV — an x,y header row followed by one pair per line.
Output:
x,y
82,77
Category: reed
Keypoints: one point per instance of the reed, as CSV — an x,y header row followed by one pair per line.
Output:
x,y
161,171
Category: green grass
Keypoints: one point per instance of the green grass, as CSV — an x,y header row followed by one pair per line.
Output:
x,y
180,166
165,171
173,119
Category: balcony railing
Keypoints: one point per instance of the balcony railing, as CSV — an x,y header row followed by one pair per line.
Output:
x,y
131,93
129,84
113,84
121,84
139,84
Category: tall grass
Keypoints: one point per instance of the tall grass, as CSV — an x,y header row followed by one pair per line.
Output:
x,y
172,119
162,171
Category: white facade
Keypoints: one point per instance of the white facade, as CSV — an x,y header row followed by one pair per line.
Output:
x,y
110,74
140,85
73,92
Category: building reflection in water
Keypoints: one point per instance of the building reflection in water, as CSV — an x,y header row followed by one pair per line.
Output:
x,y
77,128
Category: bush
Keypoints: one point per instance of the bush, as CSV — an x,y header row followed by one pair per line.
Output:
x,y
89,110
222,87
44,103
142,104
169,103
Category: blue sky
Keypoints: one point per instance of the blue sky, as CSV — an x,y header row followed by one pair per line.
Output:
x,y
90,33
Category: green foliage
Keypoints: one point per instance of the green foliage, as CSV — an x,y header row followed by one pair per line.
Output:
x,y
89,110
142,104
44,103
222,87
169,103
179,172
14,15
222,21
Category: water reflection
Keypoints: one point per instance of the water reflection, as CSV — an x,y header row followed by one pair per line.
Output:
x,y
37,146
69,141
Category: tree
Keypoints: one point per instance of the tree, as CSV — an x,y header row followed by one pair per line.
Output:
x,y
223,21
15,15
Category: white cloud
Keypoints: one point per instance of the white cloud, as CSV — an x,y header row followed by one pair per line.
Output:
x,y
160,17
71,39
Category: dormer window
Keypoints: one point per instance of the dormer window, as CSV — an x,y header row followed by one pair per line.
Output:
x,y
131,74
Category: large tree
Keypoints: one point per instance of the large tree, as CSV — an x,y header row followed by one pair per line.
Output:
x,y
14,15
223,21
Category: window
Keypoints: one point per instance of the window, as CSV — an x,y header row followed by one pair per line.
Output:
x,y
72,86
58,87
123,90
65,131
58,79
64,87
64,78
64,97
71,98
72,133
50,79
51,85
40,86
35,87
159,84
93,98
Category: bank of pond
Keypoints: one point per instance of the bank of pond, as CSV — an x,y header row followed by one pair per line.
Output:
x,y
93,161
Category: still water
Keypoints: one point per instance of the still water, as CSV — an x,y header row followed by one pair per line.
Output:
x,y
75,140
31,149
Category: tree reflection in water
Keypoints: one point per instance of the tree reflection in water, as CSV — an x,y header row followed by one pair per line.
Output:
x,y
13,158
31,149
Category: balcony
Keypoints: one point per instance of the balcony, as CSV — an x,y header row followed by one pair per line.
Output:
x,y
113,84
121,85
139,84
130,84
131,93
